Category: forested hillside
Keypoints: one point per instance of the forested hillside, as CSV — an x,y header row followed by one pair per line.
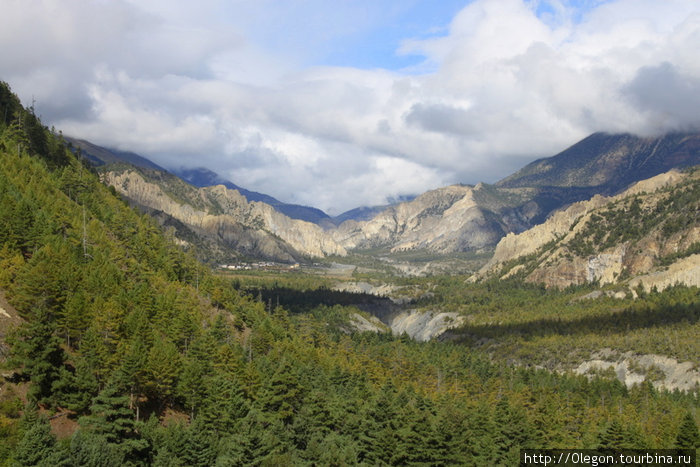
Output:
x,y
132,353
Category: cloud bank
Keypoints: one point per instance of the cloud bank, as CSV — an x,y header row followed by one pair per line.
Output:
x,y
244,88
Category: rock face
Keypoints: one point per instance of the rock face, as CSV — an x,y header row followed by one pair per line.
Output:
x,y
225,216
684,271
444,220
630,369
650,230
423,325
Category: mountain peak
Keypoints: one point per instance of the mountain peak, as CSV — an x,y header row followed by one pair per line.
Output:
x,y
609,161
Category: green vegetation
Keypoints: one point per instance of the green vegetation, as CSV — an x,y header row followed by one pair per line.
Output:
x,y
150,359
628,220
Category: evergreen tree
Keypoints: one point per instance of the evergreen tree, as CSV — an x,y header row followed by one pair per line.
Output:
x,y
613,437
200,446
512,432
78,388
281,395
224,406
37,349
91,449
37,445
688,436
161,371
111,419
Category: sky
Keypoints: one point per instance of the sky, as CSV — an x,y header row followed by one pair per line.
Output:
x,y
353,102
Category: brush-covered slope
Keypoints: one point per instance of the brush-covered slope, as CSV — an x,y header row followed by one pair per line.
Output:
x,y
221,218
650,232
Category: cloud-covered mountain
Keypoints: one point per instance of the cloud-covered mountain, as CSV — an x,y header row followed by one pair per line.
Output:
x,y
454,218
249,90
461,218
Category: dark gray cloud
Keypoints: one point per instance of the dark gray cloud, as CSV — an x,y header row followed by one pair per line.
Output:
x,y
670,97
442,118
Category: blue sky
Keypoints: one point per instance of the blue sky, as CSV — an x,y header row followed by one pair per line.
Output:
x,y
383,26
353,102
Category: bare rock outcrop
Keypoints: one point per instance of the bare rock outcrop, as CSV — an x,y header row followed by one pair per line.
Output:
x,y
226,214
684,271
630,369
444,220
546,252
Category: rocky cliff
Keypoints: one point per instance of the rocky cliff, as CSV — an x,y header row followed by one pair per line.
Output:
x,y
224,216
445,220
649,232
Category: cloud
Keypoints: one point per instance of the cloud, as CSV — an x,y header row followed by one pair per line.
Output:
x,y
241,87
670,98
442,118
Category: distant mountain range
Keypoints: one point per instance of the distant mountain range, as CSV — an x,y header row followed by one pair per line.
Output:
x,y
609,163
203,177
450,219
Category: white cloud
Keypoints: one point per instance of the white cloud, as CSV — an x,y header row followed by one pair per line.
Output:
x,y
226,85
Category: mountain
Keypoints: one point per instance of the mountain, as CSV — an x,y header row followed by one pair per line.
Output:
x,y
444,220
649,234
449,219
202,177
462,218
100,156
363,213
609,162
220,221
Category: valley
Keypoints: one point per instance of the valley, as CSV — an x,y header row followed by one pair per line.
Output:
x,y
455,328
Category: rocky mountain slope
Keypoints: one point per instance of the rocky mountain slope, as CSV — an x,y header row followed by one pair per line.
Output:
x,y
462,218
223,218
650,232
202,178
608,162
443,220
446,220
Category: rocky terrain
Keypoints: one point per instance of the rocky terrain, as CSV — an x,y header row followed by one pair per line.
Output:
x,y
630,369
649,232
223,216
444,220
226,223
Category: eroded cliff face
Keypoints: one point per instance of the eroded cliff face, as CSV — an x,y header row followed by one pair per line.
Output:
x,y
445,220
254,229
571,248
